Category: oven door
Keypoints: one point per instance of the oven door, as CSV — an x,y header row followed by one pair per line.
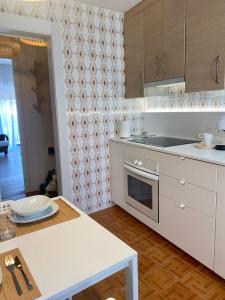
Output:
x,y
142,191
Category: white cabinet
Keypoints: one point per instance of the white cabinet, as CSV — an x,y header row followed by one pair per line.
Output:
x,y
116,173
191,196
189,170
190,230
219,266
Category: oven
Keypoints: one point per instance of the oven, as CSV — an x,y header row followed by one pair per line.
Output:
x,y
142,186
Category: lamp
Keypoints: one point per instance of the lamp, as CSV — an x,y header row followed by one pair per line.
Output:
x,y
34,42
9,47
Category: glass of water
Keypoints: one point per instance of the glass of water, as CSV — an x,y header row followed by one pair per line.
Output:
x,y
7,225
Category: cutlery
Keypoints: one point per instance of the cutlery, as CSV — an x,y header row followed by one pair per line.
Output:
x,y
9,263
19,266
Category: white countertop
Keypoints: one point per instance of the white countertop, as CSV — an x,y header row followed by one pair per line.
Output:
x,y
189,151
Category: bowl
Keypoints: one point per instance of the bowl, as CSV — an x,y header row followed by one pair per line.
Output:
x,y
31,205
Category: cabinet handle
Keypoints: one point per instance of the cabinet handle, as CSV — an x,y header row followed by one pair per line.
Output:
x,y
165,63
182,182
182,206
158,65
217,69
141,84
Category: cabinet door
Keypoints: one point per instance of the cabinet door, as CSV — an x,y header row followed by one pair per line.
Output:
x,y
153,41
190,230
134,56
205,45
173,38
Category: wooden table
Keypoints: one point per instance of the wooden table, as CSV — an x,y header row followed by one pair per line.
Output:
x,y
67,258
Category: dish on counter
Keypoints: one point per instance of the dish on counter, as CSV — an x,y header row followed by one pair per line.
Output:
x,y
31,205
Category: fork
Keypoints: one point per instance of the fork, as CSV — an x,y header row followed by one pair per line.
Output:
x,y
10,263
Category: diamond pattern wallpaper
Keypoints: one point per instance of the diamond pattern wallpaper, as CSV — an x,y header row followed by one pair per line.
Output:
x,y
93,70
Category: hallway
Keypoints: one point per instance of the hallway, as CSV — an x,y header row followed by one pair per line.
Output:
x,y
11,176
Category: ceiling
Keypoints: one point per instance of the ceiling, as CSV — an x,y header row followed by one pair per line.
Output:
x,y
118,5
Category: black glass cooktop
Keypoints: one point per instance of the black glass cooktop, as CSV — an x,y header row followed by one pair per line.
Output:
x,y
163,141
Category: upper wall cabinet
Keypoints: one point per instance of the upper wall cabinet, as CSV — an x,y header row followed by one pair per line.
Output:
x,y
153,41
164,39
173,38
134,55
205,45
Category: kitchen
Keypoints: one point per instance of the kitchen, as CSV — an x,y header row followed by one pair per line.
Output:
x,y
143,90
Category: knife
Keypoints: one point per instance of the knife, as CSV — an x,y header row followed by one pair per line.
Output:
x,y
18,265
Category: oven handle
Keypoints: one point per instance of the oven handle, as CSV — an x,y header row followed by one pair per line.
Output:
x,y
141,173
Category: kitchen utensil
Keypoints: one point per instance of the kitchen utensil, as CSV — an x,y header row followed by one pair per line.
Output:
x,y
7,225
220,147
9,263
31,205
207,138
19,266
51,210
221,124
124,129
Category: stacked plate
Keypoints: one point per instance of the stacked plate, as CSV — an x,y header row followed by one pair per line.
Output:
x,y
33,209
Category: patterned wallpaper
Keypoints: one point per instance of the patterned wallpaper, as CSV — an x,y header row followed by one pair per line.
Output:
x,y
93,70
173,98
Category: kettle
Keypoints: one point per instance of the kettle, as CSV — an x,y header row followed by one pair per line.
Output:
x,y
124,129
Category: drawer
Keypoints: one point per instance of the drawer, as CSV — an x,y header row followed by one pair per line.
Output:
x,y
192,171
191,196
190,230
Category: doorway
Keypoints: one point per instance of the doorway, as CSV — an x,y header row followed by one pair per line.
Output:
x,y
28,165
11,170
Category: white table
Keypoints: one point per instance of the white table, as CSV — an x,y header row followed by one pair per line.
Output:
x,y
69,257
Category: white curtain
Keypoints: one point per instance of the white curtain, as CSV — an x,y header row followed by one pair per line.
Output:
x,y
8,109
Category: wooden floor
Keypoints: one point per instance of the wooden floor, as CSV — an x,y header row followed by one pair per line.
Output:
x,y
11,176
165,272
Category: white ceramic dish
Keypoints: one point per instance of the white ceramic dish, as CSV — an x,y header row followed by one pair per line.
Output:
x,y
50,211
31,205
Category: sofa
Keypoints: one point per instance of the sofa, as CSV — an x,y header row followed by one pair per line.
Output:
x,y
4,144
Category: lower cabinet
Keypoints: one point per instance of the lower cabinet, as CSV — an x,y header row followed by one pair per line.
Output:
x,y
190,230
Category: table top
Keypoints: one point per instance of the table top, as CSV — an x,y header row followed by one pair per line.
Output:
x,y
70,256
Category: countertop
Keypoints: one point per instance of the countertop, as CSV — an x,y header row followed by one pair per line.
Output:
x,y
190,151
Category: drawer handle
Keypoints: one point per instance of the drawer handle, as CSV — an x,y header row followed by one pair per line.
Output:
x,y
182,182
182,206
182,158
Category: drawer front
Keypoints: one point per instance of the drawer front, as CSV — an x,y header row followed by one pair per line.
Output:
x,y
190,230
199,199
192,171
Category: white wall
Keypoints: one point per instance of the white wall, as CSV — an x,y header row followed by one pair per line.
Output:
x,y
181,124
36,128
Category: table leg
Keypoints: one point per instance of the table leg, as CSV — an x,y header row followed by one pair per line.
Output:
x,y
132,280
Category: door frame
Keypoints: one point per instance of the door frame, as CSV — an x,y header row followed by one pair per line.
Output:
x,y
26,26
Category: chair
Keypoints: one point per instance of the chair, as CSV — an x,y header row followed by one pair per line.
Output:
x,y
4,144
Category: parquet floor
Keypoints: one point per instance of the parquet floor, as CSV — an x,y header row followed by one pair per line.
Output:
x,y
165,272
11,176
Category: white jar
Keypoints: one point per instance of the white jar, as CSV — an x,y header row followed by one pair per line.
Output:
x,y
221,124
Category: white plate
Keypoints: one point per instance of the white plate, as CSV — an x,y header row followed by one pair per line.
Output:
x,y
31,205
51,210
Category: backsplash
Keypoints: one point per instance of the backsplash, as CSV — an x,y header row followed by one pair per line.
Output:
x,y
174,99
93,70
